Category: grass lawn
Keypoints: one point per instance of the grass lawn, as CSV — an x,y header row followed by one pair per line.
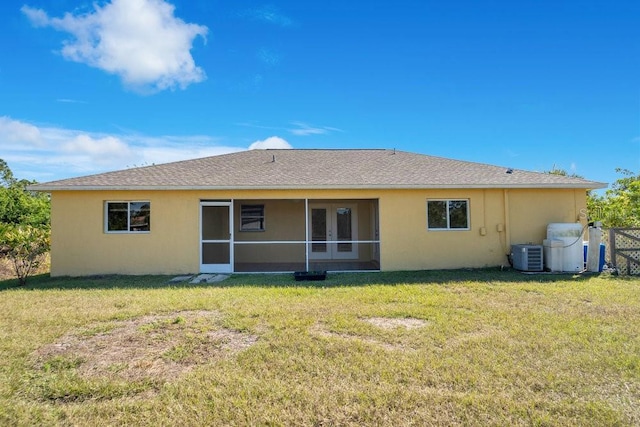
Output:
x,y
412,348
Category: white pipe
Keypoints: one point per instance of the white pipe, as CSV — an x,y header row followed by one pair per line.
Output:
x,y
593,252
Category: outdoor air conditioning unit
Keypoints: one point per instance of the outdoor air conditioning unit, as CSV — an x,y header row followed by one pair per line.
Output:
x,y
527,257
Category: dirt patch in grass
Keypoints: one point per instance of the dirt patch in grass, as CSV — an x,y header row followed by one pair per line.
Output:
x,y
392,323
386,323
160,347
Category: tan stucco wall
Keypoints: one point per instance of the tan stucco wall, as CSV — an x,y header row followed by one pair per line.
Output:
x,y
498,218
80,246
545,207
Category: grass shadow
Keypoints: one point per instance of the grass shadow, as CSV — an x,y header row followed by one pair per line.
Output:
x,y
394,278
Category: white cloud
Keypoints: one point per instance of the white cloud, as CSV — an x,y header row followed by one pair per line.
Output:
x,y
102,151
14,131
38,17
70,101
49,153
299,129
168,153
141,41
270,15
269,57
52,151
271,142
303,129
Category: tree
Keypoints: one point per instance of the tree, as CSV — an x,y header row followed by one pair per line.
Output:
x,y
19,205
620,205
25,246
24,224
557,171
6,176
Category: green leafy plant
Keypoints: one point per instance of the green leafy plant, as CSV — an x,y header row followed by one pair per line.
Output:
x,y
18,205
25,246
620,206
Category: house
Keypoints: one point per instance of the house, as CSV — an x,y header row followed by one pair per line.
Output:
x,y
291,210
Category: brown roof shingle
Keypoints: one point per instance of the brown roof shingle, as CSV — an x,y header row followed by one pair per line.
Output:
x,y
275,169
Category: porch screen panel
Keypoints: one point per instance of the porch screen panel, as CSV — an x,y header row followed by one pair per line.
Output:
x,y
215,223
254,257
216,253
344,230
368,259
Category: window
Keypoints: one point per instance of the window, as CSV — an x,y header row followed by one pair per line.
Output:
x,y
252,218
448,214
128,217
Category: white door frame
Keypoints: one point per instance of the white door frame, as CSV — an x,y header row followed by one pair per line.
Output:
x,y
217,268
331,232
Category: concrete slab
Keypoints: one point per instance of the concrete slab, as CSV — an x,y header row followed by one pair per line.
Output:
x,y
180,279
217,278
201,278
209,278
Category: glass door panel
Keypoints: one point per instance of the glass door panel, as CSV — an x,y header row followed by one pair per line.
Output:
x,y
336,224
344,229
344,224
319,233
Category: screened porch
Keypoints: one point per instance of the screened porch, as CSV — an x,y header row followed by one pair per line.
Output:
x,y
287,235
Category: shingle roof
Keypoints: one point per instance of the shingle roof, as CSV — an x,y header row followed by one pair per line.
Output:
x,y
305,169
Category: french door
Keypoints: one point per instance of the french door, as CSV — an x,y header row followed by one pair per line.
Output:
x,y
216,225
333,230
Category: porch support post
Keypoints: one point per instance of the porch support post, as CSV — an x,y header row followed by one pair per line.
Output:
x,y
306,234
232,235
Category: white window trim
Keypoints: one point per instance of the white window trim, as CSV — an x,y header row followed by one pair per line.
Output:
x,y
128,230
264,218
448,228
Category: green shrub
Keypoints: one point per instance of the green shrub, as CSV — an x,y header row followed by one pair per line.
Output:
x,y
25,246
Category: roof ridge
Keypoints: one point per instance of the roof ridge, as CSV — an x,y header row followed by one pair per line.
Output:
x,y
326,149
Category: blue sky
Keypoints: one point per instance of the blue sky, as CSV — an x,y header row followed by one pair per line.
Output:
x,y
88,86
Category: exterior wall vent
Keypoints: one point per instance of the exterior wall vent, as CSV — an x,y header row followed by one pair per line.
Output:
x,y
527,257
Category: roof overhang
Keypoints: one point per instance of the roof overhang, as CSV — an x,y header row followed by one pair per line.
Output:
x,y
49,188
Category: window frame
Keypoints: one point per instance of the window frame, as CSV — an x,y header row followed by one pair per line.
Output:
x,y
448,215
129,225
260,218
